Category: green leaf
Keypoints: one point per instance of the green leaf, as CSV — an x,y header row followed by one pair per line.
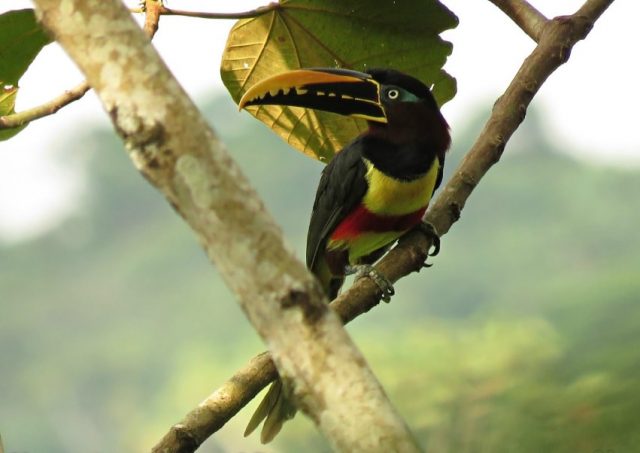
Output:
x,y
21,39
7,107
354,34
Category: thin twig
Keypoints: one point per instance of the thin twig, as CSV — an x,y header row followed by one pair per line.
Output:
x,y
525,15
208,15
152,11
49,108
560,35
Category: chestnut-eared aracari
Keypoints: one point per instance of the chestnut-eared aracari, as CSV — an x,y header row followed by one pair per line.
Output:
x,y
373,191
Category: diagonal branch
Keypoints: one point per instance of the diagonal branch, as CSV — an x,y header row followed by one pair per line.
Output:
x,y
556,41
171,144
525,15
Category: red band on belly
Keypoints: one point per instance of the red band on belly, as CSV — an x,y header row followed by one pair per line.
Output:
x,y
362,220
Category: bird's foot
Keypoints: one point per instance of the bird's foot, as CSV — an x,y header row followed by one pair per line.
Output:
x,y
430,231
367,270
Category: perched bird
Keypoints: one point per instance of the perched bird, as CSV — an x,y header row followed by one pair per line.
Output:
x,y
374,190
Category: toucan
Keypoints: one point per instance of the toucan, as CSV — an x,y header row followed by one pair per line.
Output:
x,y
373,191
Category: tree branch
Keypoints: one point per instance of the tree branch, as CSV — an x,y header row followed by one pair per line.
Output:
x,y
152,11
525,15
208,15
556,41
219,407
174,148
152,8
46,109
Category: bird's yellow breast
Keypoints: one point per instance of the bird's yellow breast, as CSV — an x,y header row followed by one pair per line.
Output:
x,y
390,196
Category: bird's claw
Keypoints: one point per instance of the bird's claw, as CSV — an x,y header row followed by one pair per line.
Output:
x,y
430,231
367,270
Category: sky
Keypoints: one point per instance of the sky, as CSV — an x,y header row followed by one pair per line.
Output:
x,y
589,105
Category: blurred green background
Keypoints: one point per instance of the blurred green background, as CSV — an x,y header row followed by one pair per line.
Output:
x,y
521,338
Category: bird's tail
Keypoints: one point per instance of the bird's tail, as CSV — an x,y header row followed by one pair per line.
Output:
x,y
275,409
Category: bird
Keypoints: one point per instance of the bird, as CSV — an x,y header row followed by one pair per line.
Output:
x,y
373,191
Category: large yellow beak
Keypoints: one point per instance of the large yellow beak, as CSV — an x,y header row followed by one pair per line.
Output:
x,y
340,91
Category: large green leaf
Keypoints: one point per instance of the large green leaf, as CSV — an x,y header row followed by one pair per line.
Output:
x,y
21,38
354,34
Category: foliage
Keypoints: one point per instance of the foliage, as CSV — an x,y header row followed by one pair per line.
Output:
x,y
21,39
354,34
8,95
519,339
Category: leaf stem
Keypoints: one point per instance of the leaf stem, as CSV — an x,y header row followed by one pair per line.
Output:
x,y
209,15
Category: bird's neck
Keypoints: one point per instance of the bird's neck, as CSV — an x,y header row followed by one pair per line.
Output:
x,y
404,161
405,151
422,125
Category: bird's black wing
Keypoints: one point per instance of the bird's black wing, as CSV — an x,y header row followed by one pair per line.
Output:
x,y
341,188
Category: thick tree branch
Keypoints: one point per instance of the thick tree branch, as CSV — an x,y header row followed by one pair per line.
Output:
x,y
174,148
524,15
556,41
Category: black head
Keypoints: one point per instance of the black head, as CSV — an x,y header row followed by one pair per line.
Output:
x,y
397,106
411,89
411,111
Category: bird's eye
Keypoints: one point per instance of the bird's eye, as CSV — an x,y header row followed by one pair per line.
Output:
x,y
393,93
